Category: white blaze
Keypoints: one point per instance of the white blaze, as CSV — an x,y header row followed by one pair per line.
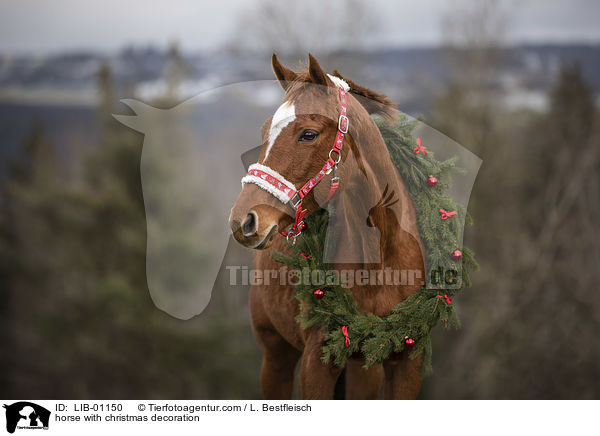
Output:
x,y
285,114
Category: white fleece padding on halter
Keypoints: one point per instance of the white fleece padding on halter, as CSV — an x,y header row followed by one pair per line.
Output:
x,y
280,195
340,83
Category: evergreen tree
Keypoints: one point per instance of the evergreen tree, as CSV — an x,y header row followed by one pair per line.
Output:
x,y
76,297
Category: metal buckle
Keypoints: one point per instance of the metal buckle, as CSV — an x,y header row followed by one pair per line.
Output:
x,y
295,204
346,124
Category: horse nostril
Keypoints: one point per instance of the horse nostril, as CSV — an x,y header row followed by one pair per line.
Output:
x,y
250,224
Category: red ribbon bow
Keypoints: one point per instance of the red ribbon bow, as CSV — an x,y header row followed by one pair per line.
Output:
x,y
446,215
445,297
419,148
306,256
346,338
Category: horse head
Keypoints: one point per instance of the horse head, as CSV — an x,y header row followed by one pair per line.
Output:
x,y
296,146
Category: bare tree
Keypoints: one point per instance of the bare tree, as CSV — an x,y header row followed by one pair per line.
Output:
x,y
530,323
300,26
473,36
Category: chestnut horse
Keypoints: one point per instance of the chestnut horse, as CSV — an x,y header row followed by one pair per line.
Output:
x,y
296,143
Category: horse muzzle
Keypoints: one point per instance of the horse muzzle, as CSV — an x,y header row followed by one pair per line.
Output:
x,y
254,225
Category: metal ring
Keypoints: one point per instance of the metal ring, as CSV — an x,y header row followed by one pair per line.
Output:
x,y
339,155
287,239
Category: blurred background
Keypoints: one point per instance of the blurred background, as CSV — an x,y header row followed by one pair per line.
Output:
x,y
515,82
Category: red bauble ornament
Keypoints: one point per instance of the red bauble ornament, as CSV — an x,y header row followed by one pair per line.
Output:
x,y
432,181
456,255
318,294
409,343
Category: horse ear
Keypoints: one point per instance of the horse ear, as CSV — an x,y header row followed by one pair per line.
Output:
x,y
283,74
317,74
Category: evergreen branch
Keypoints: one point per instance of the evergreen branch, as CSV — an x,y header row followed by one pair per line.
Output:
x,y
377,336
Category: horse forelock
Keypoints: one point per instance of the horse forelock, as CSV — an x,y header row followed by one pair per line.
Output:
x,y
374,102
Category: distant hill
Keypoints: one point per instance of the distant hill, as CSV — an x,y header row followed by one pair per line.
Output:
x,y
58,91
534,64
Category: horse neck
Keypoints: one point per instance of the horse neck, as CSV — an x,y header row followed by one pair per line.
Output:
x,y
377,170
381,171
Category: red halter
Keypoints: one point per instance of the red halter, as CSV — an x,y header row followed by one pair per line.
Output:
x,y
274,183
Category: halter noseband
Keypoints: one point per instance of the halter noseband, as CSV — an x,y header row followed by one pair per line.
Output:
x,y
285,191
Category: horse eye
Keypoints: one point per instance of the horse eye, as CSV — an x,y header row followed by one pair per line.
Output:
x,y
308,136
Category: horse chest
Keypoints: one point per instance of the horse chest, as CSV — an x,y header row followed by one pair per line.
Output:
x,y
380,300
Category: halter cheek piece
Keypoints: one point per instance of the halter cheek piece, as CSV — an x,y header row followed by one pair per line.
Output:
x,y
285,191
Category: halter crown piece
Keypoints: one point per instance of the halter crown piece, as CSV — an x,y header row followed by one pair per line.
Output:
x,y
285,191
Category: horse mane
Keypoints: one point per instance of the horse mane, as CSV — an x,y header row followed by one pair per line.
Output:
x,y
374,102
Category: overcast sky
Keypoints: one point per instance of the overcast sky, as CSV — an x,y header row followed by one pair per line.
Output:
x,y
60,25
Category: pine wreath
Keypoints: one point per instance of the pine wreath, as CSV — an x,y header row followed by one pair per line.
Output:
x,y
410,323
